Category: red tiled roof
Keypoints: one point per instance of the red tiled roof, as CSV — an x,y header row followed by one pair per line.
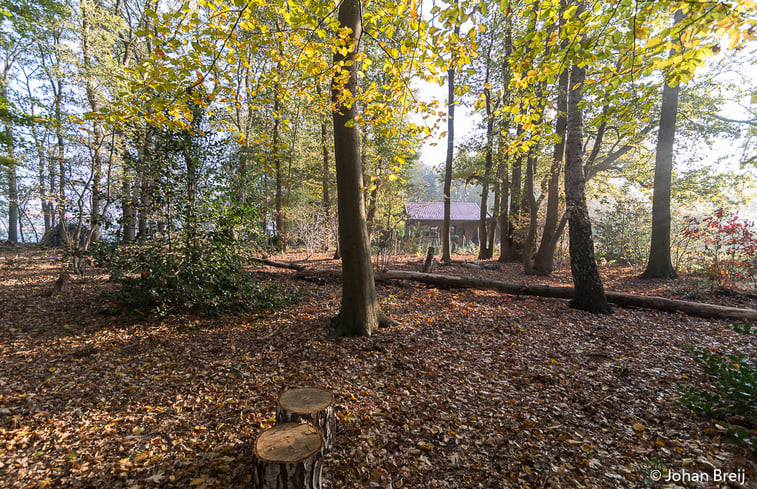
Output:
x,y
434,211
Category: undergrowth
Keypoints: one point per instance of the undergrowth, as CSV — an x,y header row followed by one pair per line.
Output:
x,y
208,278
731,400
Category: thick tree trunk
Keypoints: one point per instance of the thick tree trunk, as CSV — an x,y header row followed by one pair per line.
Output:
x,y
309,405
360,314
288,456
659,265
447,197
589,293
544,259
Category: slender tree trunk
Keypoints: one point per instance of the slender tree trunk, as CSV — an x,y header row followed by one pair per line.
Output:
x,y
493,221
325,197
144,186
372,205
97,137
12,200
447,200
280,241
544,260
484,251
533,209
659,264
505,252
589,293
360,313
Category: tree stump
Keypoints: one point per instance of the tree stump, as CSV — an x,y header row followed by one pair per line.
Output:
x,y
288,456
428,264
311,405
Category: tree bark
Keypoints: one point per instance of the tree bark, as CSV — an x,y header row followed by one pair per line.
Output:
x,y
589,294
659,264
360,314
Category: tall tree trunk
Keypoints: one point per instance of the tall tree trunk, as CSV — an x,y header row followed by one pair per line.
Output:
x,y
446,198
280,239
659,264
493,221
12,196
505,252
484,252
144,186
544,259
516,205
360,313
97,138
533,210
589,293
325,197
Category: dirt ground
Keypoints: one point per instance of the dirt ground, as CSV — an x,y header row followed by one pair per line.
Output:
x,y
472,388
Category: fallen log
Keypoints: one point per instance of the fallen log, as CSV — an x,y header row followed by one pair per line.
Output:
x,y
698,309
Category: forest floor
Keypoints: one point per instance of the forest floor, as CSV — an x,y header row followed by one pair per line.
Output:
x,y
472,388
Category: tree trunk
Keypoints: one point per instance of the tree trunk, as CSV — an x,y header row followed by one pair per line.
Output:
x,y
12,178
309,405
288,456
484,252
545,256
446,198
360,314
533,209
280,241
659,264
97,138
589,293
516,205
505,252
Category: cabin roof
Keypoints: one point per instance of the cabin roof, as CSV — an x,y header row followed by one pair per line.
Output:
x,y
434,211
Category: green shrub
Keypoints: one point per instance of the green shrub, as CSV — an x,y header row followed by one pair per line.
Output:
x,y
732,399
207,278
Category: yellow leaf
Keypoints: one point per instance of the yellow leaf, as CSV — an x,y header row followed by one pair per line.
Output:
x,y
196,482
638,427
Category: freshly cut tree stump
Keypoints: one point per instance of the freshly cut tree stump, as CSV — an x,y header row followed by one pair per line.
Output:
x,y
310,405
288,456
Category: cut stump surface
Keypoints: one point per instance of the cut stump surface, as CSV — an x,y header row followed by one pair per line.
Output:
x,y
310,405
288,456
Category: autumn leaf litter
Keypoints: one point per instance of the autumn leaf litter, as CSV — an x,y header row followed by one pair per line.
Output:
x,y
472,389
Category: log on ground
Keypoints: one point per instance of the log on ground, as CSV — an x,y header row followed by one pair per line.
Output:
x,y
698,309
288,456
309,405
